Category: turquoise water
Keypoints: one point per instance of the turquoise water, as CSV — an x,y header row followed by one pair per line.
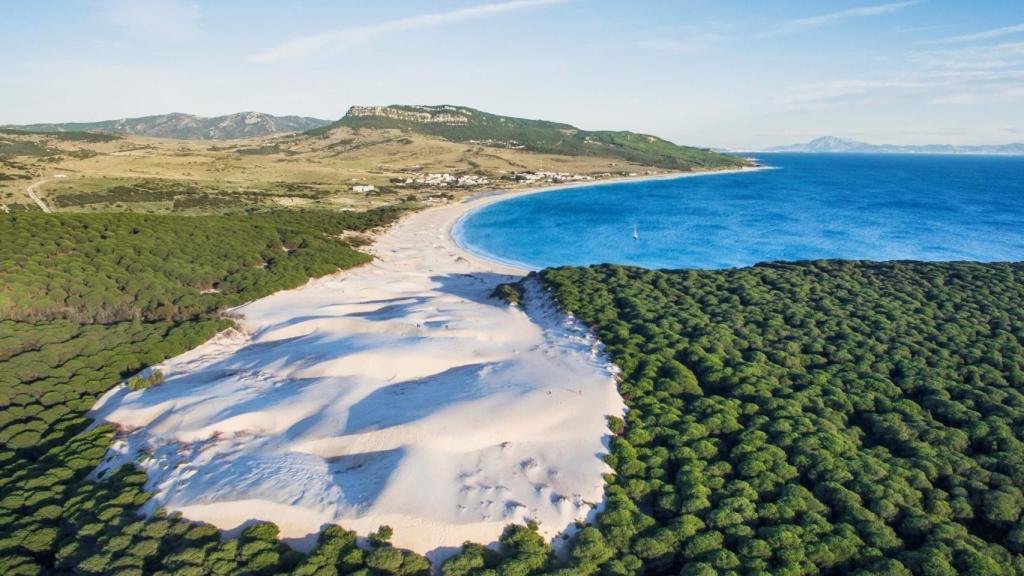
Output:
x,y
875,207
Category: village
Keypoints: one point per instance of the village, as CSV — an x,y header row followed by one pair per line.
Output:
x,y
448,180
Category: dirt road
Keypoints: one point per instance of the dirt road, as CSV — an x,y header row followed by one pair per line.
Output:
x,y
31,191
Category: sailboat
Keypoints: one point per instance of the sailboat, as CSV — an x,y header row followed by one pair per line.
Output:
x,y
636,235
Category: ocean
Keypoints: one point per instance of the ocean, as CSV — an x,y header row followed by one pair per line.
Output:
x,y
851,206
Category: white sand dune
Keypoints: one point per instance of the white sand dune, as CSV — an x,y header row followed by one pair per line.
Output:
x,y
398,393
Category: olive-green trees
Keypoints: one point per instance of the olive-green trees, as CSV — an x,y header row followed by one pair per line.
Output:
x,y
814,417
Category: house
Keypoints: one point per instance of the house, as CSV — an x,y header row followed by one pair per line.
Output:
x,y
363,188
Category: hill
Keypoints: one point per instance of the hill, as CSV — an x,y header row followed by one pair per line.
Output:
x,y
367,159
832,144
466,125
190,127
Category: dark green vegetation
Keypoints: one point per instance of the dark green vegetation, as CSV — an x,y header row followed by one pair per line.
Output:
x,y
116,267
92,299
162,195
150,191
175,195
70,135
185,126
10,148
13,143
523,551
818,417
462,124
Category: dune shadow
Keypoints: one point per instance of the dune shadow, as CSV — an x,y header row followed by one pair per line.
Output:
x,y
377,301
417,398
353,480
475,287
249,361
236,531
392,311
362,477
302,351
304,544
259,402
290,322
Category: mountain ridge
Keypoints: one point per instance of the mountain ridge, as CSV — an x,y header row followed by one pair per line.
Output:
x,y
834,144
467,125
178,125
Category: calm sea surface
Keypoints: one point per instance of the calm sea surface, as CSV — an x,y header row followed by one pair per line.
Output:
x,y
876,207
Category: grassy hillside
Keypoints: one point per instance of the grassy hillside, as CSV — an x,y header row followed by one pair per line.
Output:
x,y
462,124
394,149
130,173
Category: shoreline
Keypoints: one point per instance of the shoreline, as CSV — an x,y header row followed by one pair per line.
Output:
x,y
479,201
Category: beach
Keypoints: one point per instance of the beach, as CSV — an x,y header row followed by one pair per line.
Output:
x,y
398,393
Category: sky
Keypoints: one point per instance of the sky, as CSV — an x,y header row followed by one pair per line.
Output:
x,y
737,74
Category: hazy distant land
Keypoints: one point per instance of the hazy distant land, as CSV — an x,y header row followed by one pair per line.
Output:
x,y
832,144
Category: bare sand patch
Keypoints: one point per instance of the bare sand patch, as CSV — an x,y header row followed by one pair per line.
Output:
x,y
398,393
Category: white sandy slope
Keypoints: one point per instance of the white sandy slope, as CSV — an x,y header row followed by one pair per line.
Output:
x,y
398,393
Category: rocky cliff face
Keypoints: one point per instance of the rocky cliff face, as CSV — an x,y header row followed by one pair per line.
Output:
x,y
475,127
451,115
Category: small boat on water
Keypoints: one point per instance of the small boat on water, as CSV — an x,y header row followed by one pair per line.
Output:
x,y
636,235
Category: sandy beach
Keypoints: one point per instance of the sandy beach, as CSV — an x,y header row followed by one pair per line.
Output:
x,y
397,393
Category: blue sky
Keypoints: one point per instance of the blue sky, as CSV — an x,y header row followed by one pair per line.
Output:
x,y
725,73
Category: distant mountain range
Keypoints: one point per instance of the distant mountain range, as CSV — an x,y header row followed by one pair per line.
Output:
x,y
189,127
466,125
832,144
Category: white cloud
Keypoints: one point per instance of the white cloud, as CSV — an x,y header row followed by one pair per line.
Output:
x,y
954,98
345,37
952,75
991,57
949,87
985,35
901,29
695,44
823,95
802,24
170,20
